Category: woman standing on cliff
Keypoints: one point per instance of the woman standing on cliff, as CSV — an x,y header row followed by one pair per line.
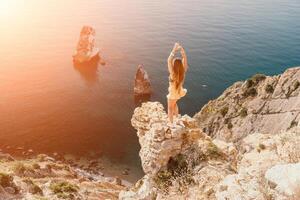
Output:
x,y
177,68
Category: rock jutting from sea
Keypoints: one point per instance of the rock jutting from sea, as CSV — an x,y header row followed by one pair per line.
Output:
x,y
86,49
142,85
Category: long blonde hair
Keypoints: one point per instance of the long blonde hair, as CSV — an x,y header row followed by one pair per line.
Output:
x,y
179,72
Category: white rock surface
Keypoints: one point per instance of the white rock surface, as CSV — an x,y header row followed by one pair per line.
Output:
x,y
286,177
144,191
159,142
261,152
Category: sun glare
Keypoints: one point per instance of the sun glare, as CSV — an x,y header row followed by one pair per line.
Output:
x,y
8,8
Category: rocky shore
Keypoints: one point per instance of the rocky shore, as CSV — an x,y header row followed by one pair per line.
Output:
x,y
244,145
45,178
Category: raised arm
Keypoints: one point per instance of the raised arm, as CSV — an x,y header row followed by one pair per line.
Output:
x,y
171,57
184,58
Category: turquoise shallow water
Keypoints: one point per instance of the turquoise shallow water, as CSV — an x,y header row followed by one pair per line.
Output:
x,y
48,105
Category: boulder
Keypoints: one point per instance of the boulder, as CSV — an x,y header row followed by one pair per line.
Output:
x,y
142,84
286,177
86,50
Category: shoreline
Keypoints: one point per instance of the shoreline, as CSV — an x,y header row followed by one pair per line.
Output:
x,y
41,176
97,164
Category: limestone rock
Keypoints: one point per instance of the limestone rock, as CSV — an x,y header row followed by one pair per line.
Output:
x,y
180,161
256,137
261,153
263,104
142,190
142,84
86,49
158,141
286,177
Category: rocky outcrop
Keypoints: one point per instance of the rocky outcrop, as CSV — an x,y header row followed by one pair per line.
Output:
x,y
179,161
86,50
142,84
264,104
159,142
237,159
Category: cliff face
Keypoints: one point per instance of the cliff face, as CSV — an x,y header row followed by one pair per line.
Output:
x,y
261,104
182,162
159,142
180,158
243,145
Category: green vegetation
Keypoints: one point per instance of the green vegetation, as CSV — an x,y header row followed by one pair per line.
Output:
x,y
180,168
6,180
261,146
213,151
224,111
258,77
226,120
21,169
163,179
229,125
177,169
243,112
33,188
250,92
293,88
64,189
36,166
269,89
296,85
251,84
178,165
293,124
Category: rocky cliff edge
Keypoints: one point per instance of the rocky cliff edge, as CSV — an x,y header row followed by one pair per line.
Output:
x,y
243,145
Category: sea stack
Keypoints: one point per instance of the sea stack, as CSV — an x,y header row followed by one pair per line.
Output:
x,y
142,84
86,50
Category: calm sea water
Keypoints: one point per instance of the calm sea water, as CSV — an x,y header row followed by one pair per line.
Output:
x,y
49,106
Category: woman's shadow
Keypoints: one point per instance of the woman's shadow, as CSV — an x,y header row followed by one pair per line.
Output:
x,y
88,70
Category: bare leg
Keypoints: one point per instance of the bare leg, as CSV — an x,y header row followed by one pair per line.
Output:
x,y
176,110
171,104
